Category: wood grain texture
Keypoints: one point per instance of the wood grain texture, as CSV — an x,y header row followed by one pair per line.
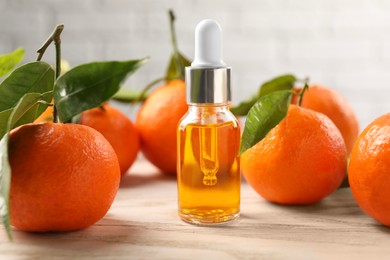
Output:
x,y
143,224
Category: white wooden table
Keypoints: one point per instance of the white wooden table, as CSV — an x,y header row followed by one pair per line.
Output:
x,y
142,224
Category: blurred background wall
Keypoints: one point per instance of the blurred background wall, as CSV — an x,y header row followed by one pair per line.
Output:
x,y
343,44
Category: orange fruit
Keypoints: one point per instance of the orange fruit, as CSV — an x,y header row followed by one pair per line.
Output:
x,y
157,122
64,177
47,115
117,129
334,106
369,170
300,161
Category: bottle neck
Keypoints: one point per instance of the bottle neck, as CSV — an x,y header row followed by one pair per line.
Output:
x,y
208,108
209,113
205,114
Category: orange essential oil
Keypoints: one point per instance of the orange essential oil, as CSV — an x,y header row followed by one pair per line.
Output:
x,y
208,167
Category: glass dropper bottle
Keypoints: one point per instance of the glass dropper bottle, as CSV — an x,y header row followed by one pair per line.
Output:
x,y
208,136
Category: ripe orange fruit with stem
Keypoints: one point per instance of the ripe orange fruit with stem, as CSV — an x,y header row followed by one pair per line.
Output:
x,y
334,106
157,121
64,176
369,170
159,116
117,129
114,126
300,161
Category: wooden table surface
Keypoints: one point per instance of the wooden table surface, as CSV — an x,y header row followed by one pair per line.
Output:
x,y
143,224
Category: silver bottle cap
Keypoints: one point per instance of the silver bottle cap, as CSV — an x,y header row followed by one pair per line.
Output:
x,y
208,85
208,78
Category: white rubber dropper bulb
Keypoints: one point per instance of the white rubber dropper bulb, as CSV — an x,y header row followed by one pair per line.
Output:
x,y
208,45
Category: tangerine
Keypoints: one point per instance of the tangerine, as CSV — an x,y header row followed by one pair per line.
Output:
x,y
369,170
117,129
336,107
64,176
300,161
157,122
47,115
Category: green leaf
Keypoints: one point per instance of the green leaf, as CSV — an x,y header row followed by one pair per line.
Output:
x,y
176,67
243,108
284,82
89,85
29,108
34,77
9,61
28,114
5,184
129,96
264,116
26,111
4,116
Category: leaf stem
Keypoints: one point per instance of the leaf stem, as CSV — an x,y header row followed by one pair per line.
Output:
x,y
147,87
45,103
174,44
172,29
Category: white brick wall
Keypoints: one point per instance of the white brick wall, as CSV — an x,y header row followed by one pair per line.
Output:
x,y
344,44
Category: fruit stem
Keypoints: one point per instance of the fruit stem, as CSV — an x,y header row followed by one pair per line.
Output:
x,y
306,87
57,44
174,44
300,80
55,36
